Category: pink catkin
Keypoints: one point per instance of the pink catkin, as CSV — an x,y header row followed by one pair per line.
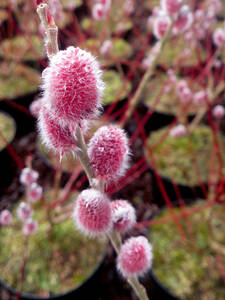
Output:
x,y
34,192
28,176
135,257
73,86
160,26
5,217
53,135
218,111
30,227
123,215
92,213
171,6
108,152
24,211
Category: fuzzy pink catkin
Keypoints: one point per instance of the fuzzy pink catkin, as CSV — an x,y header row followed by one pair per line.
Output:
x,y
160,26
219,37
30,227
123,215
218,111
92,213
106,47
178,131
200,97
172,7
54,135
73,86
98,12
35,107
135,257
183,21
5,217
109,152
28,176
24,211
34,192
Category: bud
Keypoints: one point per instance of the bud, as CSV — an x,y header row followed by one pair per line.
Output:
x,y
5,217
98,12
200,97
108,152
34,192
160,26
171,7
73,86
218,111
123,215
30,227
219,37
92,213
24,211
178,131
35,107
106,47
28,176
183,21
53,135
135,257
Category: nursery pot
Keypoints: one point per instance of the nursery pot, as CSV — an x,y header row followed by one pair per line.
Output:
x,y
6,161
18,108
184,191
89,289
181,256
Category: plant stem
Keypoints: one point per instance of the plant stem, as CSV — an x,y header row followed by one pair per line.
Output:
x,y
51,29
114,236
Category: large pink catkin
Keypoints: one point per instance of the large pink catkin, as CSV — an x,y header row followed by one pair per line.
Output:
x,y
109,153
135,257
123,215
73,86
54,135
92,213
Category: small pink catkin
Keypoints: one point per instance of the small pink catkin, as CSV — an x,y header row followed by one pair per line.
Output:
x,y
135,257
30,227
106,47
98,11
73,86
160,26
54,135
178,131
171,7
24,211
218,111
92,213
109,152
183,21
35,107
200,97
28,176
123,215
219,37
5,217
35,192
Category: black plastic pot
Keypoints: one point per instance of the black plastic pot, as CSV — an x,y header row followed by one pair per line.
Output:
x,y
174,191
6,162
89,289
18,108
155,289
